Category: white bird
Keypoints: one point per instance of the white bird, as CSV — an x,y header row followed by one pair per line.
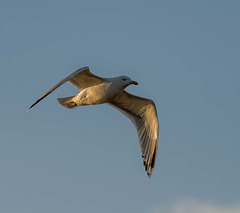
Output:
x,y
96,90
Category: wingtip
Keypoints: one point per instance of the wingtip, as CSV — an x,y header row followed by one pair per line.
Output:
x,y
29,108
149,174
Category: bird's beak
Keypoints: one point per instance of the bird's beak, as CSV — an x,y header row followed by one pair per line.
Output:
x,y
134,82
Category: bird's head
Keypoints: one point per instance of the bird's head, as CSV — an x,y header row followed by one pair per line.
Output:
x,y
126,81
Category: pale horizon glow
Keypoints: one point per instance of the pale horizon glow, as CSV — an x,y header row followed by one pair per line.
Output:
x,y
193,206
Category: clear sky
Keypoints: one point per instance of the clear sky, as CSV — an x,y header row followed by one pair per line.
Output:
x,y
185,56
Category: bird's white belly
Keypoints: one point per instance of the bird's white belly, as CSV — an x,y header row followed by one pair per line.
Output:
x,y
99,94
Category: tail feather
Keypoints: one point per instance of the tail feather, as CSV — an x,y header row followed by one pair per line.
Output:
x,y
67,102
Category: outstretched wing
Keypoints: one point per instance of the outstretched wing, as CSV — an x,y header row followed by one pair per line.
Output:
x,y
81,79
142,112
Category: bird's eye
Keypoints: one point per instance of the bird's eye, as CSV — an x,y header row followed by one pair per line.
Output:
x,y
124,79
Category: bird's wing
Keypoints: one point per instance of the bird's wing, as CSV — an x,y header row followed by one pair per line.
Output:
x,y
84,78
142,112
81,79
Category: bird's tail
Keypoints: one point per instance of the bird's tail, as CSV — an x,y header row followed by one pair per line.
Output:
x,y
68,102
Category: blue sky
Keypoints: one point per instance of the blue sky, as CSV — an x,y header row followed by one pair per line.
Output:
x,y
185,56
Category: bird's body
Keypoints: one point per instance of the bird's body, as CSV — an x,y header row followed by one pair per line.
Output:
x,y
96,90
97,94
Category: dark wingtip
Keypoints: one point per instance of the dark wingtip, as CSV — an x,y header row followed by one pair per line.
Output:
x,y
42,97
150,172
30,107
149,175
147,169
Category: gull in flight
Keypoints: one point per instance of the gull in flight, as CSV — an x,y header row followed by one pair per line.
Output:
x,y
96,90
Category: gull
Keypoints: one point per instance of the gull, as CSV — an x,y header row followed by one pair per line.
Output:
x,y
96,90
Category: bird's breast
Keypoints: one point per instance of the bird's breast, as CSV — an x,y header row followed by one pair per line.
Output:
x,y
100,94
